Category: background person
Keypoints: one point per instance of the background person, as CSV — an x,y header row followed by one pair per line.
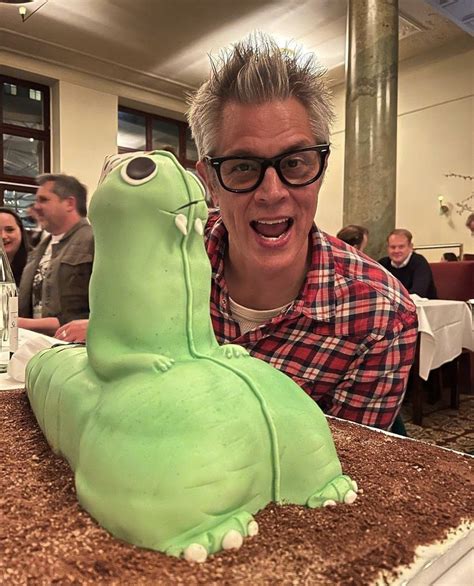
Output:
x,y
15,241
354,235
449,257
470,223
409,267
54,288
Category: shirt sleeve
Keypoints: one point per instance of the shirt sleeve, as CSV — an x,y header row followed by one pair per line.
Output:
x,y
372,390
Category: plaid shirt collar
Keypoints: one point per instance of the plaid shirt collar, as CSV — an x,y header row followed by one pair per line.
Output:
x,y
316,299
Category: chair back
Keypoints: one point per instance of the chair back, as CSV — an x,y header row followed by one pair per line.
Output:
x,y
454,280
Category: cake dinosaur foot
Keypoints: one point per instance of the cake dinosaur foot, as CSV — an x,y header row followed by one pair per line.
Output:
x,y
227,535
340,490
231,351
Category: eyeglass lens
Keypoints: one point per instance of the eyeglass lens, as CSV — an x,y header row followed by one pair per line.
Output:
x,y
296,168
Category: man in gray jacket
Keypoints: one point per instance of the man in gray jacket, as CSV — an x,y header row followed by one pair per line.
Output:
x,y
54,288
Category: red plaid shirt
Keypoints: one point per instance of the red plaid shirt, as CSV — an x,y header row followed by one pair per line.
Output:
x,y
348,339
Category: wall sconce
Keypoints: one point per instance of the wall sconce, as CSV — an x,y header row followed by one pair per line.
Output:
x,y
23,12
444,208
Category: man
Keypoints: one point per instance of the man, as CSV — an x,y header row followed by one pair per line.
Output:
x,y
336,323
410,268
54,288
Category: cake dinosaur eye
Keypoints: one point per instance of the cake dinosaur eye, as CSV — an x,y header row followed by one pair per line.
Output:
x,y
139,170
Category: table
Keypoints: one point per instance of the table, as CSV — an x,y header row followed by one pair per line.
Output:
x,y
444,329
29,343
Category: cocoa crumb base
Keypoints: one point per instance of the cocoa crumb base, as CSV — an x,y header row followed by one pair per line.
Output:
x,y
412,494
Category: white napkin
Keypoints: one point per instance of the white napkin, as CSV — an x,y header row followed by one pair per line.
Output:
x,y
30,343
416,298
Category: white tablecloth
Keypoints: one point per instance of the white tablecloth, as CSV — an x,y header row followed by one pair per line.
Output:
x,y
29,343
445,329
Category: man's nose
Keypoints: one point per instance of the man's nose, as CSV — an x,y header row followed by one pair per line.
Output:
x,y
271,188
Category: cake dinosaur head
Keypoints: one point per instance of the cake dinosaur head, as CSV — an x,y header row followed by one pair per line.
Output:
x,y
148,185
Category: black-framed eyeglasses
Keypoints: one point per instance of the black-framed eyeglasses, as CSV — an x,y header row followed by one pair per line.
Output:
x,y
294,168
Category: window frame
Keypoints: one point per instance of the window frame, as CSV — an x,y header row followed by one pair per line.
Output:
x,y
149,118
24,132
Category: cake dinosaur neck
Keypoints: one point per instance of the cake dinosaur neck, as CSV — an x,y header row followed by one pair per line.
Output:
x,y
149,300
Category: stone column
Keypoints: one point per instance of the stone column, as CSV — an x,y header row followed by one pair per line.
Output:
x,y
371,119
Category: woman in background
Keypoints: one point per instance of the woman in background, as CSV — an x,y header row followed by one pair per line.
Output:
x,y
15,241
354,235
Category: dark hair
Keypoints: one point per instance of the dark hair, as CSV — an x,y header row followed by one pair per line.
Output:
x,y
401,232
21,256
470,219
450,256
67,186
352,234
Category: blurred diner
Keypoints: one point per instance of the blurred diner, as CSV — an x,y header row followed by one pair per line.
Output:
x,y
409,267
15,241
356,236
54,288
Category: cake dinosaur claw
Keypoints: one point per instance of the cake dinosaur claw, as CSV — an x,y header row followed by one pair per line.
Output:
x,y
232,540
195,553
350,497
252,529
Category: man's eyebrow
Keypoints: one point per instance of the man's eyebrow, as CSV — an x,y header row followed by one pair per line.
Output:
x,y
245,153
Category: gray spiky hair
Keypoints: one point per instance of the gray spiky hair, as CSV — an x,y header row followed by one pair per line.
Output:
x,y
253,71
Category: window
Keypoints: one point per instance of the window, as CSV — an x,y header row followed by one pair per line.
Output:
x,y
138,131
24,140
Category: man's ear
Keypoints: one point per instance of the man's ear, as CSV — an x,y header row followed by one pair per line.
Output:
x,y
71,203
208,178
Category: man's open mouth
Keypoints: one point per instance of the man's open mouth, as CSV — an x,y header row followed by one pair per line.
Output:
x,y
272,229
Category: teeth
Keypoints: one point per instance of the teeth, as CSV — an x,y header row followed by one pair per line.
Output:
x,y
271,237
181,222
198,226
272,222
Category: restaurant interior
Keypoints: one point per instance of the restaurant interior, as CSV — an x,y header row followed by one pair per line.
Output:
x,y
84,79
128,463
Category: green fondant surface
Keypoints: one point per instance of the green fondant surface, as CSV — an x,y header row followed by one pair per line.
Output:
x,y
174,440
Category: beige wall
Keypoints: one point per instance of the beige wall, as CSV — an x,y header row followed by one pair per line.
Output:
x,y
84,131
435,137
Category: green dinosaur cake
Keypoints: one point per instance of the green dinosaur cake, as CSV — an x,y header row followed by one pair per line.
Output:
x,y
175,441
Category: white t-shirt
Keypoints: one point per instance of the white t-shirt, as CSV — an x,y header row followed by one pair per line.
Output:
x,y
249,319
38,279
